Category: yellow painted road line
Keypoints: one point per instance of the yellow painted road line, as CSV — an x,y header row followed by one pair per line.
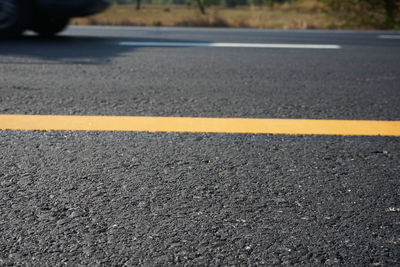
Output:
x,y
199,125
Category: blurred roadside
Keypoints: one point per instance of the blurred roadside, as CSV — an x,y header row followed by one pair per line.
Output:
x,y
269,14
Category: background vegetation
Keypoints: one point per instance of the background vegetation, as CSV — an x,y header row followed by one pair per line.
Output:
x,y
275,14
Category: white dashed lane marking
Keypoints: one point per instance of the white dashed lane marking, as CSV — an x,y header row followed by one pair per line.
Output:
x,y
229,45
389,36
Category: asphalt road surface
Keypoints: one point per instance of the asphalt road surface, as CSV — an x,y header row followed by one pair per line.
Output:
x,y
135,198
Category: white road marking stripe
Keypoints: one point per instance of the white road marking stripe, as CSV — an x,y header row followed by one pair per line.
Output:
x,y
389,36
243,45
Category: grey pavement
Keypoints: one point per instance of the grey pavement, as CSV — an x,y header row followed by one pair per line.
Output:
x,y
115,199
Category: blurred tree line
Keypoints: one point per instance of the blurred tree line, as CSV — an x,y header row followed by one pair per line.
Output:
x,y
227,3
378,12
202,4
367,10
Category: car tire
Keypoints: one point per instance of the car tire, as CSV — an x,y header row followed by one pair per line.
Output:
x,y
48,26
14,17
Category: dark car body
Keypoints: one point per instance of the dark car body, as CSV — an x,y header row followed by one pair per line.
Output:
x,y
45,17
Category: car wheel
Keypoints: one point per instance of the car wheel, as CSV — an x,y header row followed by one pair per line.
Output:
x,y
14,17
47,26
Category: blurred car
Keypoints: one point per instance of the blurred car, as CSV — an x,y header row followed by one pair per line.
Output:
x,y
45,17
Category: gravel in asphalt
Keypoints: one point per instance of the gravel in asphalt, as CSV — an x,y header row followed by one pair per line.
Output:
x,y
115,199
198,199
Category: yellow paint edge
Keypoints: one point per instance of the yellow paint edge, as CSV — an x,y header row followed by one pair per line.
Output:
x,y
200,125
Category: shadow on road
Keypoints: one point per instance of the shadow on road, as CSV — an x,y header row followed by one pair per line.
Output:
x,y
68,49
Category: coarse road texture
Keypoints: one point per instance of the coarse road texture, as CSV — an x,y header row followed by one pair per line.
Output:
x,y
127,199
